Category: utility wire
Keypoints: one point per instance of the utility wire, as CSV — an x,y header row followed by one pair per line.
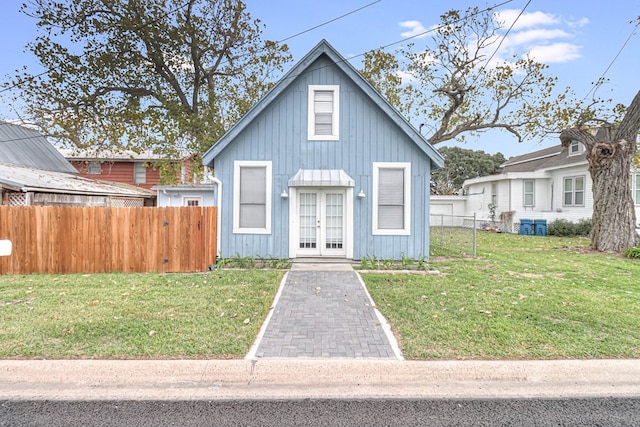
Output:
x,y
185,5
600,80
328,22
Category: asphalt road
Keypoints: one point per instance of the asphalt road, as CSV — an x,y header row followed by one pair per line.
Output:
x,y
373,412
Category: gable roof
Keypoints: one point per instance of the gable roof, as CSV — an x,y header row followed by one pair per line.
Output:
x,y
23,146
547,158
324,48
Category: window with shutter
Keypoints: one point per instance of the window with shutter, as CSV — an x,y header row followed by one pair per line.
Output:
x,y
252,197
323,112
391,198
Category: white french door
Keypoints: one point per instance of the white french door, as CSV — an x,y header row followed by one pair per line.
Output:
x,y
321,223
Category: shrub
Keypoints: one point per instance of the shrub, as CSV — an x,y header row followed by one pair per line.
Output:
x,y
632,252
564,228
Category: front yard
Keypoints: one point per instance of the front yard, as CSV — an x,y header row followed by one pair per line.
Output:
x,y
523,297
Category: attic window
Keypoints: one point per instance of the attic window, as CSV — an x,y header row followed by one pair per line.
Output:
x,y
575,148
323,112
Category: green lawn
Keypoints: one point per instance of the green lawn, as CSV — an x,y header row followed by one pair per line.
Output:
x,y
208,315
523,297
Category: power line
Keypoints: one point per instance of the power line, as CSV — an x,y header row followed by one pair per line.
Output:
x,y
600,80
185,5
328,22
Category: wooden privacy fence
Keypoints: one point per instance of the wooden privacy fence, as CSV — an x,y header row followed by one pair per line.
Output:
x,y
56,239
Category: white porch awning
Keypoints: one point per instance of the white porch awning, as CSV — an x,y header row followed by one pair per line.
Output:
x,y
321,178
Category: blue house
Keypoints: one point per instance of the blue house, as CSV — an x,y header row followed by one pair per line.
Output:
x,y
323,166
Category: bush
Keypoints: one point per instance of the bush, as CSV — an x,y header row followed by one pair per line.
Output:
x,y
564,228
632,252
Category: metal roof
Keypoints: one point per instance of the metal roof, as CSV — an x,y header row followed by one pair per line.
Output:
x,y
108,155
321,178
23,146
25,178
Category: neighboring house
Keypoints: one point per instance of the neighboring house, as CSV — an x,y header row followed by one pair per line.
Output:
x,y
127,167
33,172
323,166
553,183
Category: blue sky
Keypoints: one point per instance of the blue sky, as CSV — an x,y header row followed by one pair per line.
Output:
x,y
577,39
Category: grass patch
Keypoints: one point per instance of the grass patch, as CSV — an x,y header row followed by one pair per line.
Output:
x,y
522,298
134,316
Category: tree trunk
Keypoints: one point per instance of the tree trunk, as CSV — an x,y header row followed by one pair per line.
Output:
x,y
614,217
610,156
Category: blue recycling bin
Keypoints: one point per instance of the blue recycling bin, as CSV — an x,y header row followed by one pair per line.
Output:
x,y
526,227
540,227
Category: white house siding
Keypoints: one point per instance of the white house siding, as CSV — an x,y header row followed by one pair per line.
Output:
x,y
177,195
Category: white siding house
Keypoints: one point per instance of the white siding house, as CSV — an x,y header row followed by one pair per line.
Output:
x,y
553,183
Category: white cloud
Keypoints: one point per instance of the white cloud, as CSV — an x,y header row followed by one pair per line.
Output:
x,y
578,23
415,29
526,20
556,52
406,77
533,36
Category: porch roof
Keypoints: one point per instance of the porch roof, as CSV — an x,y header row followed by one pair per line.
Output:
x,y
321,178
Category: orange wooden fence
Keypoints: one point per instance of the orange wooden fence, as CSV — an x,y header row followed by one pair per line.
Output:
x,y
52,239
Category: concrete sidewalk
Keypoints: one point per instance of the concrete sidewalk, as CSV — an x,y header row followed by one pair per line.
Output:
x,y
274,378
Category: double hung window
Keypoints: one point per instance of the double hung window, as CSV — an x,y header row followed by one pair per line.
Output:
x,y
391,198
252,197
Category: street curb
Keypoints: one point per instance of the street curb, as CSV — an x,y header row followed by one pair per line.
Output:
x,y
272,378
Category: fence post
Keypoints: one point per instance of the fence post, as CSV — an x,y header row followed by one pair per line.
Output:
x,y
474,234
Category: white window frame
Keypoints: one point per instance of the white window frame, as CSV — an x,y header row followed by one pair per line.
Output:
x,y
335,120
94,168
237,165
525,193
494,194
575,148
635,188
187,199
138,177
406,166
573,190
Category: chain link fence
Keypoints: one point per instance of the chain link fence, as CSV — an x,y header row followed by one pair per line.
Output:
x,y
453,235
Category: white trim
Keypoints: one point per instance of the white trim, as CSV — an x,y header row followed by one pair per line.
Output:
x,y
524,193
573,190
186,199
335,122
407,198
579,148
236,196
142,179
294,220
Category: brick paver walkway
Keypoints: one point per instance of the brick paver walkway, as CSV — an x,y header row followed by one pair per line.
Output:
x,y
324,314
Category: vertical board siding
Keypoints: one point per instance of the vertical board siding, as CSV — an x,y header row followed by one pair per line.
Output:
x,y
56,239
367,135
